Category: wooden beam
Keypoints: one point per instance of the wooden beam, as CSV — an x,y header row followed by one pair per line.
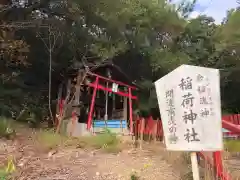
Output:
x,y
113,81
110,90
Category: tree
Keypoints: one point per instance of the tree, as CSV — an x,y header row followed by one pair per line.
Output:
x,y
108,30
152,36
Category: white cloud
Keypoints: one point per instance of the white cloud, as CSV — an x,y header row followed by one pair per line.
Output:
x,y
218,8
194,14
214,8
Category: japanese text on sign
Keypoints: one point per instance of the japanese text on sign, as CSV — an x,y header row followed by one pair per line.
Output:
x,y
187,104
171,116
190,108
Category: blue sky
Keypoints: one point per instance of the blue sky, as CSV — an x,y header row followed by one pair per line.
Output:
x,y
215,8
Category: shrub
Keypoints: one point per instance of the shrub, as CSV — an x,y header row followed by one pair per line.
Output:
x,y
3,174
107,141
26,116
6,130
134,176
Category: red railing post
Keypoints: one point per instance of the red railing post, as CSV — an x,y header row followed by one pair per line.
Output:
x,y
218,165
89,122
130,109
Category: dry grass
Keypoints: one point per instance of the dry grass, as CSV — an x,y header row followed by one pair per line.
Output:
x,y
110,143
181,161
106,141
49,139
178,160
232,145
231,157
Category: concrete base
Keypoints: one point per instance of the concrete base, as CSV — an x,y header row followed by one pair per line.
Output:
x,y
80,129
124,131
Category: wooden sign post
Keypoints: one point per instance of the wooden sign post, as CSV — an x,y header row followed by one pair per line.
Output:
x,y
190,107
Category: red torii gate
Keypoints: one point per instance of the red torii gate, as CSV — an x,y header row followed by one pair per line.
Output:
x,y
93,80
97,86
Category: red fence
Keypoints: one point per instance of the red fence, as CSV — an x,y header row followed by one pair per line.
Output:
x,y
231,123
234,119
149,126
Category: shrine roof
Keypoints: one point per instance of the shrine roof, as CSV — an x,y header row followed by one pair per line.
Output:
x,y
116,73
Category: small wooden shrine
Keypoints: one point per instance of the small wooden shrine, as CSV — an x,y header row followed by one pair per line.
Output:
x,y
93,99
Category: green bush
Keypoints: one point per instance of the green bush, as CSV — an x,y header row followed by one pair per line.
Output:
x,y
134,176
31,118
107,141
104,139
6,130
3,174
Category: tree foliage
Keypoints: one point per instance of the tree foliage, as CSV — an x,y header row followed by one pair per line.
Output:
x,y
152,36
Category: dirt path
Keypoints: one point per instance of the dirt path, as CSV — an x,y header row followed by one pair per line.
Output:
x,y
232,165
79,164
71,163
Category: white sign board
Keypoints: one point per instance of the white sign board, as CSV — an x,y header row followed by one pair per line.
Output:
x,y
115,87
190,107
